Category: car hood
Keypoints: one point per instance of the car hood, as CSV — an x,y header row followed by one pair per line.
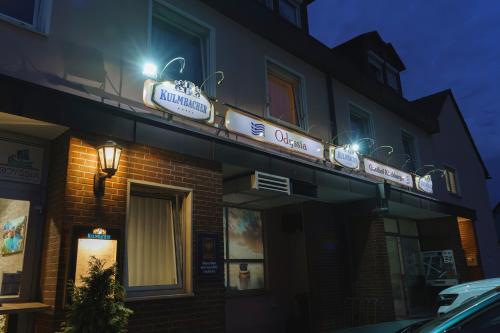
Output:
x,y
486,284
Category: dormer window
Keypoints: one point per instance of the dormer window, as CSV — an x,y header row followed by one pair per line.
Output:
x,y
290,11
392,77
383,71
376,67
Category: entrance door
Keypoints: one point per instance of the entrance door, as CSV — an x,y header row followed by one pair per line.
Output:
x,y
398,294
405,263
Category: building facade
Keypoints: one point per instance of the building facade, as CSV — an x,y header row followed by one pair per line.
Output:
x,y
241,175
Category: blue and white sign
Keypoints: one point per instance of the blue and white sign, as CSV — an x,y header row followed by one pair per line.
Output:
x,y
179,97
266,132
344,157
384,171
424,184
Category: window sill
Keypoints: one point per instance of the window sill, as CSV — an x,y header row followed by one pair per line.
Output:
x,y
455,195
7,308
287,125
245,293
22,25
157,297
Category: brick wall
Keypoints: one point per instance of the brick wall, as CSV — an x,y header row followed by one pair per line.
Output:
x,y
327,258
50,258
72,202
371,299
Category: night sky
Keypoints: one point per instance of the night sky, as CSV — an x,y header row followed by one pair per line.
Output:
x,y
444,44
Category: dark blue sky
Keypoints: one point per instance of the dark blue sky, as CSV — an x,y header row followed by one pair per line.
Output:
x,y
444,44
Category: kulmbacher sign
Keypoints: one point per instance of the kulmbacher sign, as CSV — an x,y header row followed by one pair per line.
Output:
x,y
344,157
387,172
179,97
264,131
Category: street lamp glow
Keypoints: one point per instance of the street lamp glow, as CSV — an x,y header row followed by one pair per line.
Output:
x,y
150,70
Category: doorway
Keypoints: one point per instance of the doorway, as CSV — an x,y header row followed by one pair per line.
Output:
x,y
405,263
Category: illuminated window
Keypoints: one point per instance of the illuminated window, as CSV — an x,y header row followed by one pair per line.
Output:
x,y
243,249
450,176
290,11
157,241
284,96
468,241
28,13
174,35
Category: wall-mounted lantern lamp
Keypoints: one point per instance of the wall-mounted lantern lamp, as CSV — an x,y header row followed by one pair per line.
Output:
x,y
109,155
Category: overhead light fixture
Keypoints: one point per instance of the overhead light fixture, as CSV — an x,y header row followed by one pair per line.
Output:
x,y
109,155
150,70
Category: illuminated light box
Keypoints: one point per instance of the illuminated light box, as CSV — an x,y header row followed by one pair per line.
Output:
x,y
102,243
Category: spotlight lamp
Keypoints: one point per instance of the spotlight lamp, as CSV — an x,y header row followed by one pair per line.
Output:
x,y
150,70
109,155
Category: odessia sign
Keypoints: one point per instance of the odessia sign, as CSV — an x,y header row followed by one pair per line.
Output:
x,y
264,131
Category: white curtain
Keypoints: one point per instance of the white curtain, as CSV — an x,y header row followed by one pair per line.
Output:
x,y
150,242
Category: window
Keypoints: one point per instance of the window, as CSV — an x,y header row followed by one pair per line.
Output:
x,y
450,176
376,67
392,77
174,35
267,3
243,249
360,128
157,240
28,13
290,11
409,148
284,96
14,215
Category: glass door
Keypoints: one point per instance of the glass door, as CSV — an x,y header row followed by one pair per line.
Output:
x,y
405,263
396,269
413,280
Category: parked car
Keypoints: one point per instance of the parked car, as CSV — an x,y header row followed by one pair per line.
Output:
x,y
452,297
479,314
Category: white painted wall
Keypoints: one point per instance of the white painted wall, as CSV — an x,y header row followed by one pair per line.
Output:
x,y
103,44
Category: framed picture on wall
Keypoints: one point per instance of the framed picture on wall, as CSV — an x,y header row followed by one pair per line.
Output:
x,y
13,233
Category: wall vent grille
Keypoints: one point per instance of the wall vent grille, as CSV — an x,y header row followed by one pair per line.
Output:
x,y
266,181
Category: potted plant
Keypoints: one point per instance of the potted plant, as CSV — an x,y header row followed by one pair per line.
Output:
x,y
98,304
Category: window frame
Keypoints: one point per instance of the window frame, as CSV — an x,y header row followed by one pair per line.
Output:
x,y
186,225
227,260
458,191
416,160
41,18
389,68
191,25
267,3
360,112
374,59
298,19
281,71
